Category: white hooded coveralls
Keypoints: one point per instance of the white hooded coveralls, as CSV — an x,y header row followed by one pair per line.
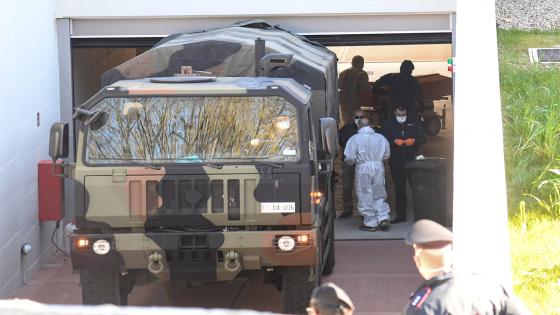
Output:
x,y
368,149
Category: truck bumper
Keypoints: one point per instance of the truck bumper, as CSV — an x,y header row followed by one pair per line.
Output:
x,y
182,256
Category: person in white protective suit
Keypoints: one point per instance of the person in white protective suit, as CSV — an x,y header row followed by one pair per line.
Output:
x,y
368,149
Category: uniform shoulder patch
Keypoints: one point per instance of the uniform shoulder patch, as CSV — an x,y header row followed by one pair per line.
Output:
x,y
420,297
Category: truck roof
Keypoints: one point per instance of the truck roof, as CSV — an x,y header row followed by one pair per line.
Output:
x,y
215,86
230,52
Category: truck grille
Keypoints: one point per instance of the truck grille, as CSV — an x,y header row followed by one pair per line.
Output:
x,y
193,241
190,197
191,257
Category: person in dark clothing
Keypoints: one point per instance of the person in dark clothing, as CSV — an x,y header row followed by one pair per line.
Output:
x,y
405,135
344,134
353,85
330,299
445,291
405,88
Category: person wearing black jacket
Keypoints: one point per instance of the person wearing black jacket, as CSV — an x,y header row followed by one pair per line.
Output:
x,y
445,291
344,134
405,135
405,88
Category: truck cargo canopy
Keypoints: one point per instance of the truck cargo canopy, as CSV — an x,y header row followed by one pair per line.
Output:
x,y
230,52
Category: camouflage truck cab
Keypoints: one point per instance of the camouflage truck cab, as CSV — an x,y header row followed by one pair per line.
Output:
x,y
198,179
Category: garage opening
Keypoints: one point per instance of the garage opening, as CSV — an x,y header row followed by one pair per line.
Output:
x,y
431,70
383,54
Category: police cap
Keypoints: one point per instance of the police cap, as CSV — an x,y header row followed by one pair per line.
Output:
x,y
329,294
427,231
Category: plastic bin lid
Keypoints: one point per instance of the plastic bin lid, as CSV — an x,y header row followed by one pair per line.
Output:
x,y
430,163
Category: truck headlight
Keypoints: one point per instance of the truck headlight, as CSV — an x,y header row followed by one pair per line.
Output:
x,y
101,247
286,243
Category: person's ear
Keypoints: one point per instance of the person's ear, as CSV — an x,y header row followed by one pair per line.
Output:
x,y
417,261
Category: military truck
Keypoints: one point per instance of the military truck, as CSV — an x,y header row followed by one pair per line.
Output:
x,y
223,171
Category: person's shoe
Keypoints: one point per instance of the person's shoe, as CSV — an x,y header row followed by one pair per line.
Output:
x,y
344,215
398,220
384,225
366,228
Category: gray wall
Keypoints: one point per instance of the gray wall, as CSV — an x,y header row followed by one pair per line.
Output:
x,y
28,85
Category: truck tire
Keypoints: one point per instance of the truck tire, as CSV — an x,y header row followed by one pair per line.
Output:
x,y
329,263
297,289
103,287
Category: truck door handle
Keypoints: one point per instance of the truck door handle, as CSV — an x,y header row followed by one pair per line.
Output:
x,y
325,166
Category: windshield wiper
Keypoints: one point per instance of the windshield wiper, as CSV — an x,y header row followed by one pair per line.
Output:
x,y
150,166
213,165
275,165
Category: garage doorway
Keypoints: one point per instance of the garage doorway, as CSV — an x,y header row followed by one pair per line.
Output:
x,y
383,54
431,69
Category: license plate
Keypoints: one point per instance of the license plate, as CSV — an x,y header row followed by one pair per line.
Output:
x,y
278,207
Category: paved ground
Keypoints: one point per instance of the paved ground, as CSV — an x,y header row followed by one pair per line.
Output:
x,y
378,275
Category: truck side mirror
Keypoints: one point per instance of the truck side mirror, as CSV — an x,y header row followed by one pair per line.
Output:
x,y
329,135
58,142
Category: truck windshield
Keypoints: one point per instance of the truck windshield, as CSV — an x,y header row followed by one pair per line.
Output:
x,y
163,130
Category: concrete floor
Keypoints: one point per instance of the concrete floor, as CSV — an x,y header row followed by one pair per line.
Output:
x,y
378,276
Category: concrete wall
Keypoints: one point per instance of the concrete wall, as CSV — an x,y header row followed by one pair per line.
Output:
x,y
28,87
254,8
144,18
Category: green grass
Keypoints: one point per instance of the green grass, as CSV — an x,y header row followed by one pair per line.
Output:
x,y
535,256
531,111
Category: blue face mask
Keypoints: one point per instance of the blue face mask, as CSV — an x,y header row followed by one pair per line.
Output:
x,y
401,119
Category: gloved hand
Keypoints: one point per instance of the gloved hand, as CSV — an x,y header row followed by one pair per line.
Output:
x,y
399,142
409,142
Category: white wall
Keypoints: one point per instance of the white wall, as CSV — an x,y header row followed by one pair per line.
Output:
x,y
479,184
132,18
28,85
256,8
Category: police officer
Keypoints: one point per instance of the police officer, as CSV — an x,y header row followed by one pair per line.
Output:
x,y
329,299
445,292
405,135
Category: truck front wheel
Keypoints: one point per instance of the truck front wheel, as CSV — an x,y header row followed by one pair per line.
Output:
x,y
103,287
297,285
329,263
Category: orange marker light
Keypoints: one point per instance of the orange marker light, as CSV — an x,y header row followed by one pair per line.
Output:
x,y
83,243
303,239
316,197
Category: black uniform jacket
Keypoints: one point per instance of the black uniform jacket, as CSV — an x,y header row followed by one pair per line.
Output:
x,y
410,129
344,134
451,294
405,90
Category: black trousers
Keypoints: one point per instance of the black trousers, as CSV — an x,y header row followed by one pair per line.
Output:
x,y
347,186
398,174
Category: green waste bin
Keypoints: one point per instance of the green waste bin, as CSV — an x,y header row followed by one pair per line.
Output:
x,y
429,190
